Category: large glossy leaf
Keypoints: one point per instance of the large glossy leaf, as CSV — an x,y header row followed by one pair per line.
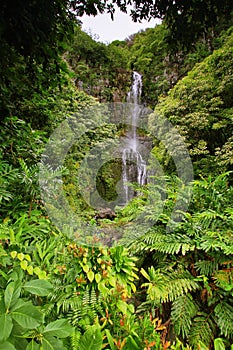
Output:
x,y
33,346
91,339
60,328
27,316
19,343
2,306
219,344
6,325
38,287
51,343
12,294
7,346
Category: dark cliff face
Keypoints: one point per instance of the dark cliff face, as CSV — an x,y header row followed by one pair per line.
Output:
x,y
106,86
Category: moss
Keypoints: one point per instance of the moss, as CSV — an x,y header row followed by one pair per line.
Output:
x,y
107,178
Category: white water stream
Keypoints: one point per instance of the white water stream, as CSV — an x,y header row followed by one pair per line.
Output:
x,y
134,167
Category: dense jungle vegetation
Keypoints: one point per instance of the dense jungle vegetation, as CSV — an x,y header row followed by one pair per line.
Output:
x,y
155,290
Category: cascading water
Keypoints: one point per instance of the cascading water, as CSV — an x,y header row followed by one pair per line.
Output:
x,y
134,167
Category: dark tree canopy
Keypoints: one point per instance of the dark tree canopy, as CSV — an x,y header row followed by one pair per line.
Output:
x,y
35,28
186,20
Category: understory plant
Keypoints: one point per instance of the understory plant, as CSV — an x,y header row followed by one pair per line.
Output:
x,y
188,279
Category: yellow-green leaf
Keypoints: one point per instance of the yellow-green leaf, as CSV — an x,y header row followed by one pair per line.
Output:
x,y
24,264
133,287
37,270
98,277
112,281
90,275
13,254
20,256
12,235
122,306
145,274
30,270
86,268
42,275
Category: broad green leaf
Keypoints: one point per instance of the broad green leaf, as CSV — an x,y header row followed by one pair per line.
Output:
x,y
122,306
12,235
19,343
90,275
132,343
91,339
33,346
131,308
51,343
102,288
19,303
2,306
112,280
60,328
218,344
202,346
6,325
110,340
7,346
12,294
38,287
27,316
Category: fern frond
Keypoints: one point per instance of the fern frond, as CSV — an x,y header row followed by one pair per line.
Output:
x,y
180,286
88,306
74,340
206,267
224,317
182,313
214,241
202,331
164,243
173,247
208,218
169,285
69,303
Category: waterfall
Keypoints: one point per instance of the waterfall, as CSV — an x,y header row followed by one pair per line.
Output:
x,y
133,165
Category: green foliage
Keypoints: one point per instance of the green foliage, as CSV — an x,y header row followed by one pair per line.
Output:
x,y
183,311
98,267
58,294
192,271
91,339
148,51
99,69
200,107
169,285
21,319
